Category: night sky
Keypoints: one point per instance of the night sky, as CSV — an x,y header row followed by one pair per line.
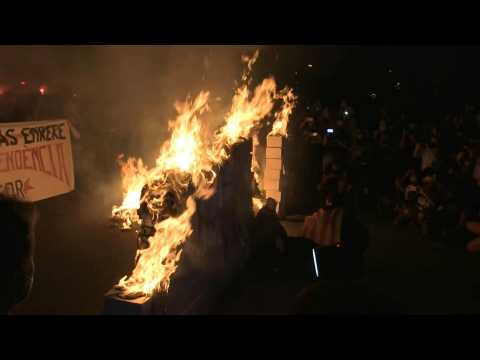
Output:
x,y
355,71
429,77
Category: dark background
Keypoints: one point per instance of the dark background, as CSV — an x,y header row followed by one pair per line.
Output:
x,y
430,76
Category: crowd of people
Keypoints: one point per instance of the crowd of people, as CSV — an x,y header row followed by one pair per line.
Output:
x,y
340,164
422,171
414,170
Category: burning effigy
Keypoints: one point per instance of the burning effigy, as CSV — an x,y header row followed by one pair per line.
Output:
x,y
161,200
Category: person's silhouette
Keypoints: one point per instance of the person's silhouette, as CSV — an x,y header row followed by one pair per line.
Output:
x,y
17,223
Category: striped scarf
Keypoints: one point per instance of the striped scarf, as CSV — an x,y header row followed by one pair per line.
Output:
x,y
324,227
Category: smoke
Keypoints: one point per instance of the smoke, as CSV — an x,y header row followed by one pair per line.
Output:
x,y
125,95
142,83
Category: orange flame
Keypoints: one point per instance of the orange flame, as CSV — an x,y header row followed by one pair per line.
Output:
x,y
281,117
249,61
157,263
257,204
187,159
134,177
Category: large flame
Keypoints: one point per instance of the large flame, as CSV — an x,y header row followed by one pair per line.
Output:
x,y
189,159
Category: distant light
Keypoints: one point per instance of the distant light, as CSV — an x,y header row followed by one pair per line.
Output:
x,y
308,107
23,83
373,95
346,113
310,65
42,90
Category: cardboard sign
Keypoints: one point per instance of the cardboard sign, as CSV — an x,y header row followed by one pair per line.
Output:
x,y
36,159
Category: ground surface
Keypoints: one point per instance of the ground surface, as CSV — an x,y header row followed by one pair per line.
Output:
x,y
79,257
421,277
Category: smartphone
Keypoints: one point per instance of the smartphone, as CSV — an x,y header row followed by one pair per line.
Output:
x,y
330,131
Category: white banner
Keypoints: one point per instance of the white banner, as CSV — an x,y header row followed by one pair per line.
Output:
x,y
36,159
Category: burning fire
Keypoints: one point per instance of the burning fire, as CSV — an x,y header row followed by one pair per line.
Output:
x,y
281,117
257,204
134,177
187,166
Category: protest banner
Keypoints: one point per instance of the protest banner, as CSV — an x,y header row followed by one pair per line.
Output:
x,y
36,160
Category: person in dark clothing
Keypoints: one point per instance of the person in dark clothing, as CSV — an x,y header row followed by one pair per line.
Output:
x,y
269,236
345,261
338,237
339,287
17,264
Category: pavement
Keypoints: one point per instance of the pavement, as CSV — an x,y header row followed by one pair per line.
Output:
x,y
79,257
419,276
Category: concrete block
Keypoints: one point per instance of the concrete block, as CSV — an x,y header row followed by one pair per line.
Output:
x,y
273,164
277,195
272,175
274,153
269,184
274,141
